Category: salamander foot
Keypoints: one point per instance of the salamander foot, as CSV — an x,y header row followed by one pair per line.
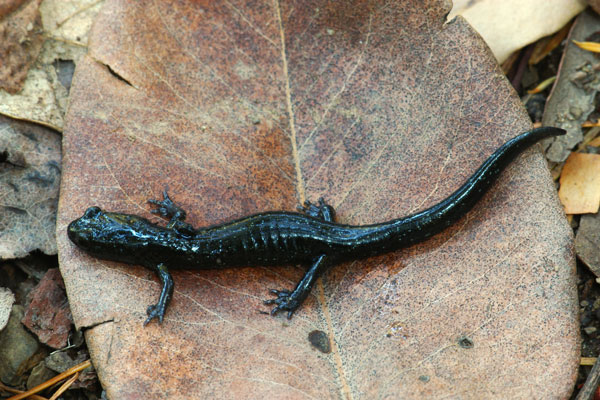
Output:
x,y
321,211
168,209
286,301
155,311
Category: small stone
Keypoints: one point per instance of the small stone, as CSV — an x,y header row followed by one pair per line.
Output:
x,y
18,348
48,314
584,303
39,374
590,329
60,361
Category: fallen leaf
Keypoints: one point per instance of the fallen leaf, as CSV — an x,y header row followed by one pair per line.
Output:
x,y
48,315
587,242
70,20
509,25
595,4
382,108
20,30
580,184
43,95
595,142
588,46
545,46
29,181
6,301
574,92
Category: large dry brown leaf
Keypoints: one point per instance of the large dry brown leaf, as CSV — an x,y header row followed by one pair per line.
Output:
x,y
242,107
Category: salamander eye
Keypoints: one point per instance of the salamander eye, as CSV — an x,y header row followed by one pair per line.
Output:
x,y
92,212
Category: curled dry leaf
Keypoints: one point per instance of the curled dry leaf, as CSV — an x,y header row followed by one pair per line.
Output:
x,y
29,180
382,108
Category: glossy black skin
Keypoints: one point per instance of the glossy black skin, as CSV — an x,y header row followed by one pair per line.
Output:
x,y
275,238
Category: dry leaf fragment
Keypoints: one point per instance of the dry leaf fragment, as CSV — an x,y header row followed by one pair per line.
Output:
x,y
48,314
572,98
42,97
29,180
589,46
595,142
6,301
580,184
545,46
511,24
20,43
587,242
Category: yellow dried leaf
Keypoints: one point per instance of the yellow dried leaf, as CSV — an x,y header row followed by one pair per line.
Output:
x,y
580,184
589,46
543,85
590,124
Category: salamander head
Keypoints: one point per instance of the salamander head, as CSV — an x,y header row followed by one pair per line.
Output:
x,y
110,235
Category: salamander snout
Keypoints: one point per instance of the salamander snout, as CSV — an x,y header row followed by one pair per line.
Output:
x,y
81,230
92,212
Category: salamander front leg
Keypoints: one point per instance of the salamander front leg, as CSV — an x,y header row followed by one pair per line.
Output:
x,y
158,309
321,211
290,301
168,209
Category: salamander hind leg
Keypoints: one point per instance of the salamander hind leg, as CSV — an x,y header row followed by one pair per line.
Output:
x,y
290,301
321,211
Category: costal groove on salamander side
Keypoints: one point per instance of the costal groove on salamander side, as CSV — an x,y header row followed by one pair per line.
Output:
x,y
281,231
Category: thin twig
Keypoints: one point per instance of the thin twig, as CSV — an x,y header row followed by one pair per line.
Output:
x,y
591,383
65,386
16,391
51,382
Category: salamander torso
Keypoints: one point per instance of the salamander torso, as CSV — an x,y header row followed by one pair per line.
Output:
x,y
274,238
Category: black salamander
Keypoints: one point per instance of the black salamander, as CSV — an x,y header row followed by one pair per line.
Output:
x,y
276,238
